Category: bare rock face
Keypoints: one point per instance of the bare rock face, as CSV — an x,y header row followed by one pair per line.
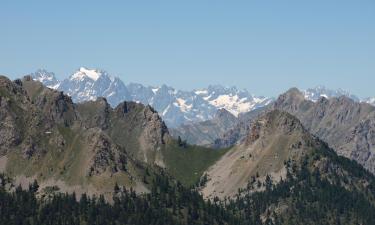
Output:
x,y
58,106
155,129
347,126
361,139
13,103
9,134
106,156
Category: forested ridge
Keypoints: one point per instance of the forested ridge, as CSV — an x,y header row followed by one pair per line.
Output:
x,y
168,203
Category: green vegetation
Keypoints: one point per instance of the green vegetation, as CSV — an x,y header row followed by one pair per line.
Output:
x,y
187,164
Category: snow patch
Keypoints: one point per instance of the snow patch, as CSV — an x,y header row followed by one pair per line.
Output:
x,y
84,72
181,103
231,103
201,92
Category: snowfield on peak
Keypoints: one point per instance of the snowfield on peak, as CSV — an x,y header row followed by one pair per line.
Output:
x,y
83,73
175,106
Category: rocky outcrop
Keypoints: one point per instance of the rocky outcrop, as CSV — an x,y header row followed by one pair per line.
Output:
x,y
14,102
106,155
140,130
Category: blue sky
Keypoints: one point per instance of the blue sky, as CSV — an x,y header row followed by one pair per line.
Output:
x,y
263,46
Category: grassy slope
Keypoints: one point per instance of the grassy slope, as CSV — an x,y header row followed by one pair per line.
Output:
x,y
188,164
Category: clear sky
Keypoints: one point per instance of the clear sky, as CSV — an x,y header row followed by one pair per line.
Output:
x,y
264,46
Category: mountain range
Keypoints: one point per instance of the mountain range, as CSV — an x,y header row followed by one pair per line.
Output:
x,y
345,124
176,107
294,161
220,117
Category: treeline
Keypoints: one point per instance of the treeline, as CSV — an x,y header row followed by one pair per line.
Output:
x,y
167,203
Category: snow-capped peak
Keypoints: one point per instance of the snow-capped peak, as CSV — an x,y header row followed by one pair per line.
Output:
x,y
313,94
230,98
175,106
370,100
45,77
83,72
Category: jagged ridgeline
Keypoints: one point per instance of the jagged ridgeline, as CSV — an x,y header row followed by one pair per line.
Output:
x,y
87,147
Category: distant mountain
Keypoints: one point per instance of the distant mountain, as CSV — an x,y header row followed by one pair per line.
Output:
x,y
313,94
176,107
218,134
346,125
235,134
205,133
233,100
47,78
370,100
86,84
